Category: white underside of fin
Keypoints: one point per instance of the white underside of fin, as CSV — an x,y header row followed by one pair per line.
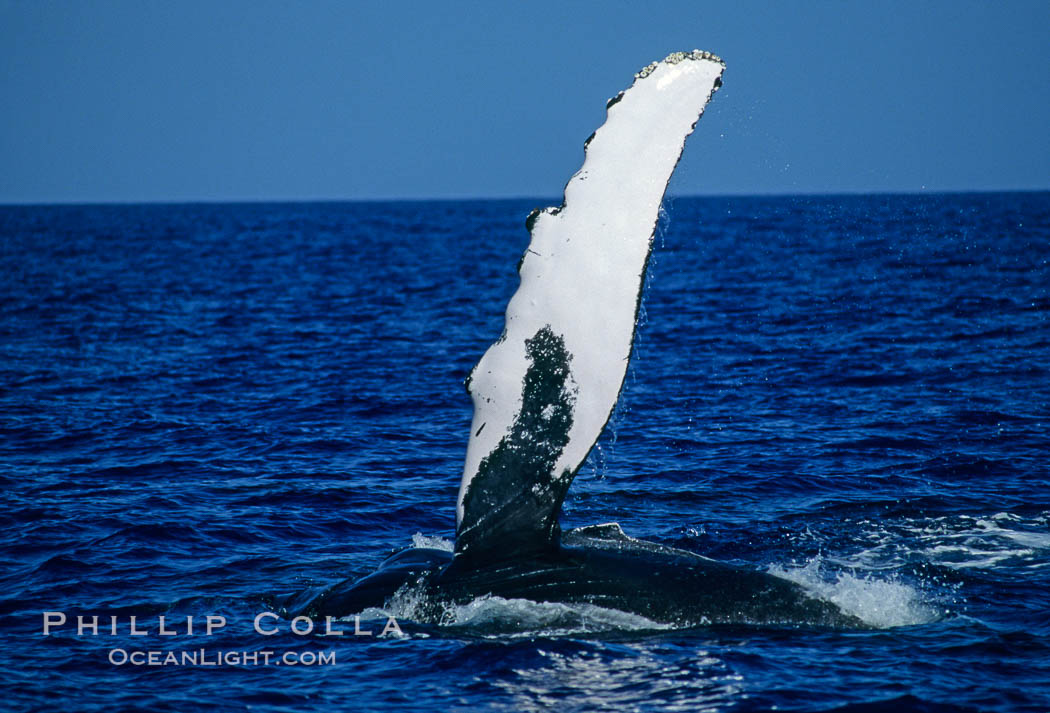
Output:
x,y
583,271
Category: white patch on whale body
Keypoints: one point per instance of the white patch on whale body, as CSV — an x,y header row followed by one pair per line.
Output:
x,y
582,273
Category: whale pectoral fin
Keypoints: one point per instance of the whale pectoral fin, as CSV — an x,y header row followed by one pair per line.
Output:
x,y
544,392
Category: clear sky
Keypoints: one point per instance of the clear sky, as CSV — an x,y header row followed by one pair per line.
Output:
x,y
255,100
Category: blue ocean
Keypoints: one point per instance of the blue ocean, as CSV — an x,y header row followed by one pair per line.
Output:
x,y
207,410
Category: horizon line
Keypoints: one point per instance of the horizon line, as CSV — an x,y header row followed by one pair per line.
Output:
x,y
493,199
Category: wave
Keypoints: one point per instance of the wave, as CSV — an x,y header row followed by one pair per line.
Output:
x,y
957,542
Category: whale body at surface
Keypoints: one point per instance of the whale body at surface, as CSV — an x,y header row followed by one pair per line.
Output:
x,y
544,392
597,565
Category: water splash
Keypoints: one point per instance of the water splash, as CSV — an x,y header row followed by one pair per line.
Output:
x,y
523,617
882,603
492,616
433,542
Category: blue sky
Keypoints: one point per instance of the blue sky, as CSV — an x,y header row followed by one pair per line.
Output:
x,y
182,101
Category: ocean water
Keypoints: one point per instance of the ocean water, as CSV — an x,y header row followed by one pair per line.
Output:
x,y
206,409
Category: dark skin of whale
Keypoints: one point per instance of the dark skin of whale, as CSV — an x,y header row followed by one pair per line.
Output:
x,y
600,566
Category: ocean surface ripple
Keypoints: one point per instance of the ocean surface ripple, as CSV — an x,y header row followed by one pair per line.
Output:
x,y
207,409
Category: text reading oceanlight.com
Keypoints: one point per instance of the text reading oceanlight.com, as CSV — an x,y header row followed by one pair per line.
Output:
x,y
264,624
204,657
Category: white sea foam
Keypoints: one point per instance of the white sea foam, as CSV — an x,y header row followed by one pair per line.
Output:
x,y
959,542
882,603
409,602
434,542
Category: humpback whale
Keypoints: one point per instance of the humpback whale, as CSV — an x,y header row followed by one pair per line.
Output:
x,y
543,393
